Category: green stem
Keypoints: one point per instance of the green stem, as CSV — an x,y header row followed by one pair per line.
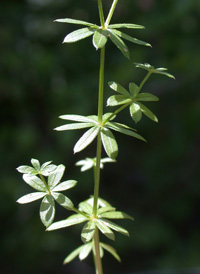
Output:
x,y
101,15
99,269
144,80
115,113
112,9
44,181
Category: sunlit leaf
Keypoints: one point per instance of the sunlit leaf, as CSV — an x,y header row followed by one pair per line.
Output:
x,y
55,177
135,112
105,229
74,21
134,89
73,254
34,182
117,100
62,200
85,251
147,97
77,118
107,115
86,139
126,25
86,207
118,88
115,227
115,215
148,112
26,169
47,210
119,43
88,231
109,143
31,197
65,185
74,126
72,220
46,170
111,250
105,209
100,38
36,164
78,35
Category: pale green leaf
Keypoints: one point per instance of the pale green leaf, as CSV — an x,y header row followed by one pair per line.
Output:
x,y
126,25
72,220
117,100
77,118
115,215
36,164
25,169
105,209
135,112
55,177
100,38
105,229
34,182
86,164
123,130
47,210
111,250
119,43
31,197
78,35
74,21
86,207
46,164
86,139
131,39
107,160
148,112
47,170
65,185
73,254
62,200
107,116
74,126
134,89
115,227
123,126
118,88
147,97
88,231
85,251
109,143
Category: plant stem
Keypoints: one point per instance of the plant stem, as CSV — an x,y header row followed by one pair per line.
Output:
x,y
144,80
101,15
112,9
99,269
116,111
44,181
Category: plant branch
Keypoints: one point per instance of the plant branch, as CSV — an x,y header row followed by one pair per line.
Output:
x,y
99,269
110,14
144,80
116,111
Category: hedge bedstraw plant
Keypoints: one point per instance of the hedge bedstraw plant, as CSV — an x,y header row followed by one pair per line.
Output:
x,y
95,213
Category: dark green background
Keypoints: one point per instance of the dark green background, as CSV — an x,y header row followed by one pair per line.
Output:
x,y
158,183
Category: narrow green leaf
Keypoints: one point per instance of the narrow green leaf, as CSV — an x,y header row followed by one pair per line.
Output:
x,y
72,220
74,126
115,227
147,97
115,215
47,210
86,164
165,73
107,115
109,143
119,44
134,89
86,139
65,185
135,112
45,171
46,164
107,160
77,118
36,164
73,254
78,35
123,126
105,209
74,21
31,197
25,169
86,207
100,38
105,229
55,177
116,127
148,112
88,231
126,25
85,251
111,250
34,182
131,39
117,100
62,200
118,88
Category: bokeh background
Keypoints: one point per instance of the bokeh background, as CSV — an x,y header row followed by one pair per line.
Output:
x,y
158,183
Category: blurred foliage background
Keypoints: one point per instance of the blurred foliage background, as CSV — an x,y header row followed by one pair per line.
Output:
x,y
158,183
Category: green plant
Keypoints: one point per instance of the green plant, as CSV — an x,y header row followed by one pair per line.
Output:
x,y
95,213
